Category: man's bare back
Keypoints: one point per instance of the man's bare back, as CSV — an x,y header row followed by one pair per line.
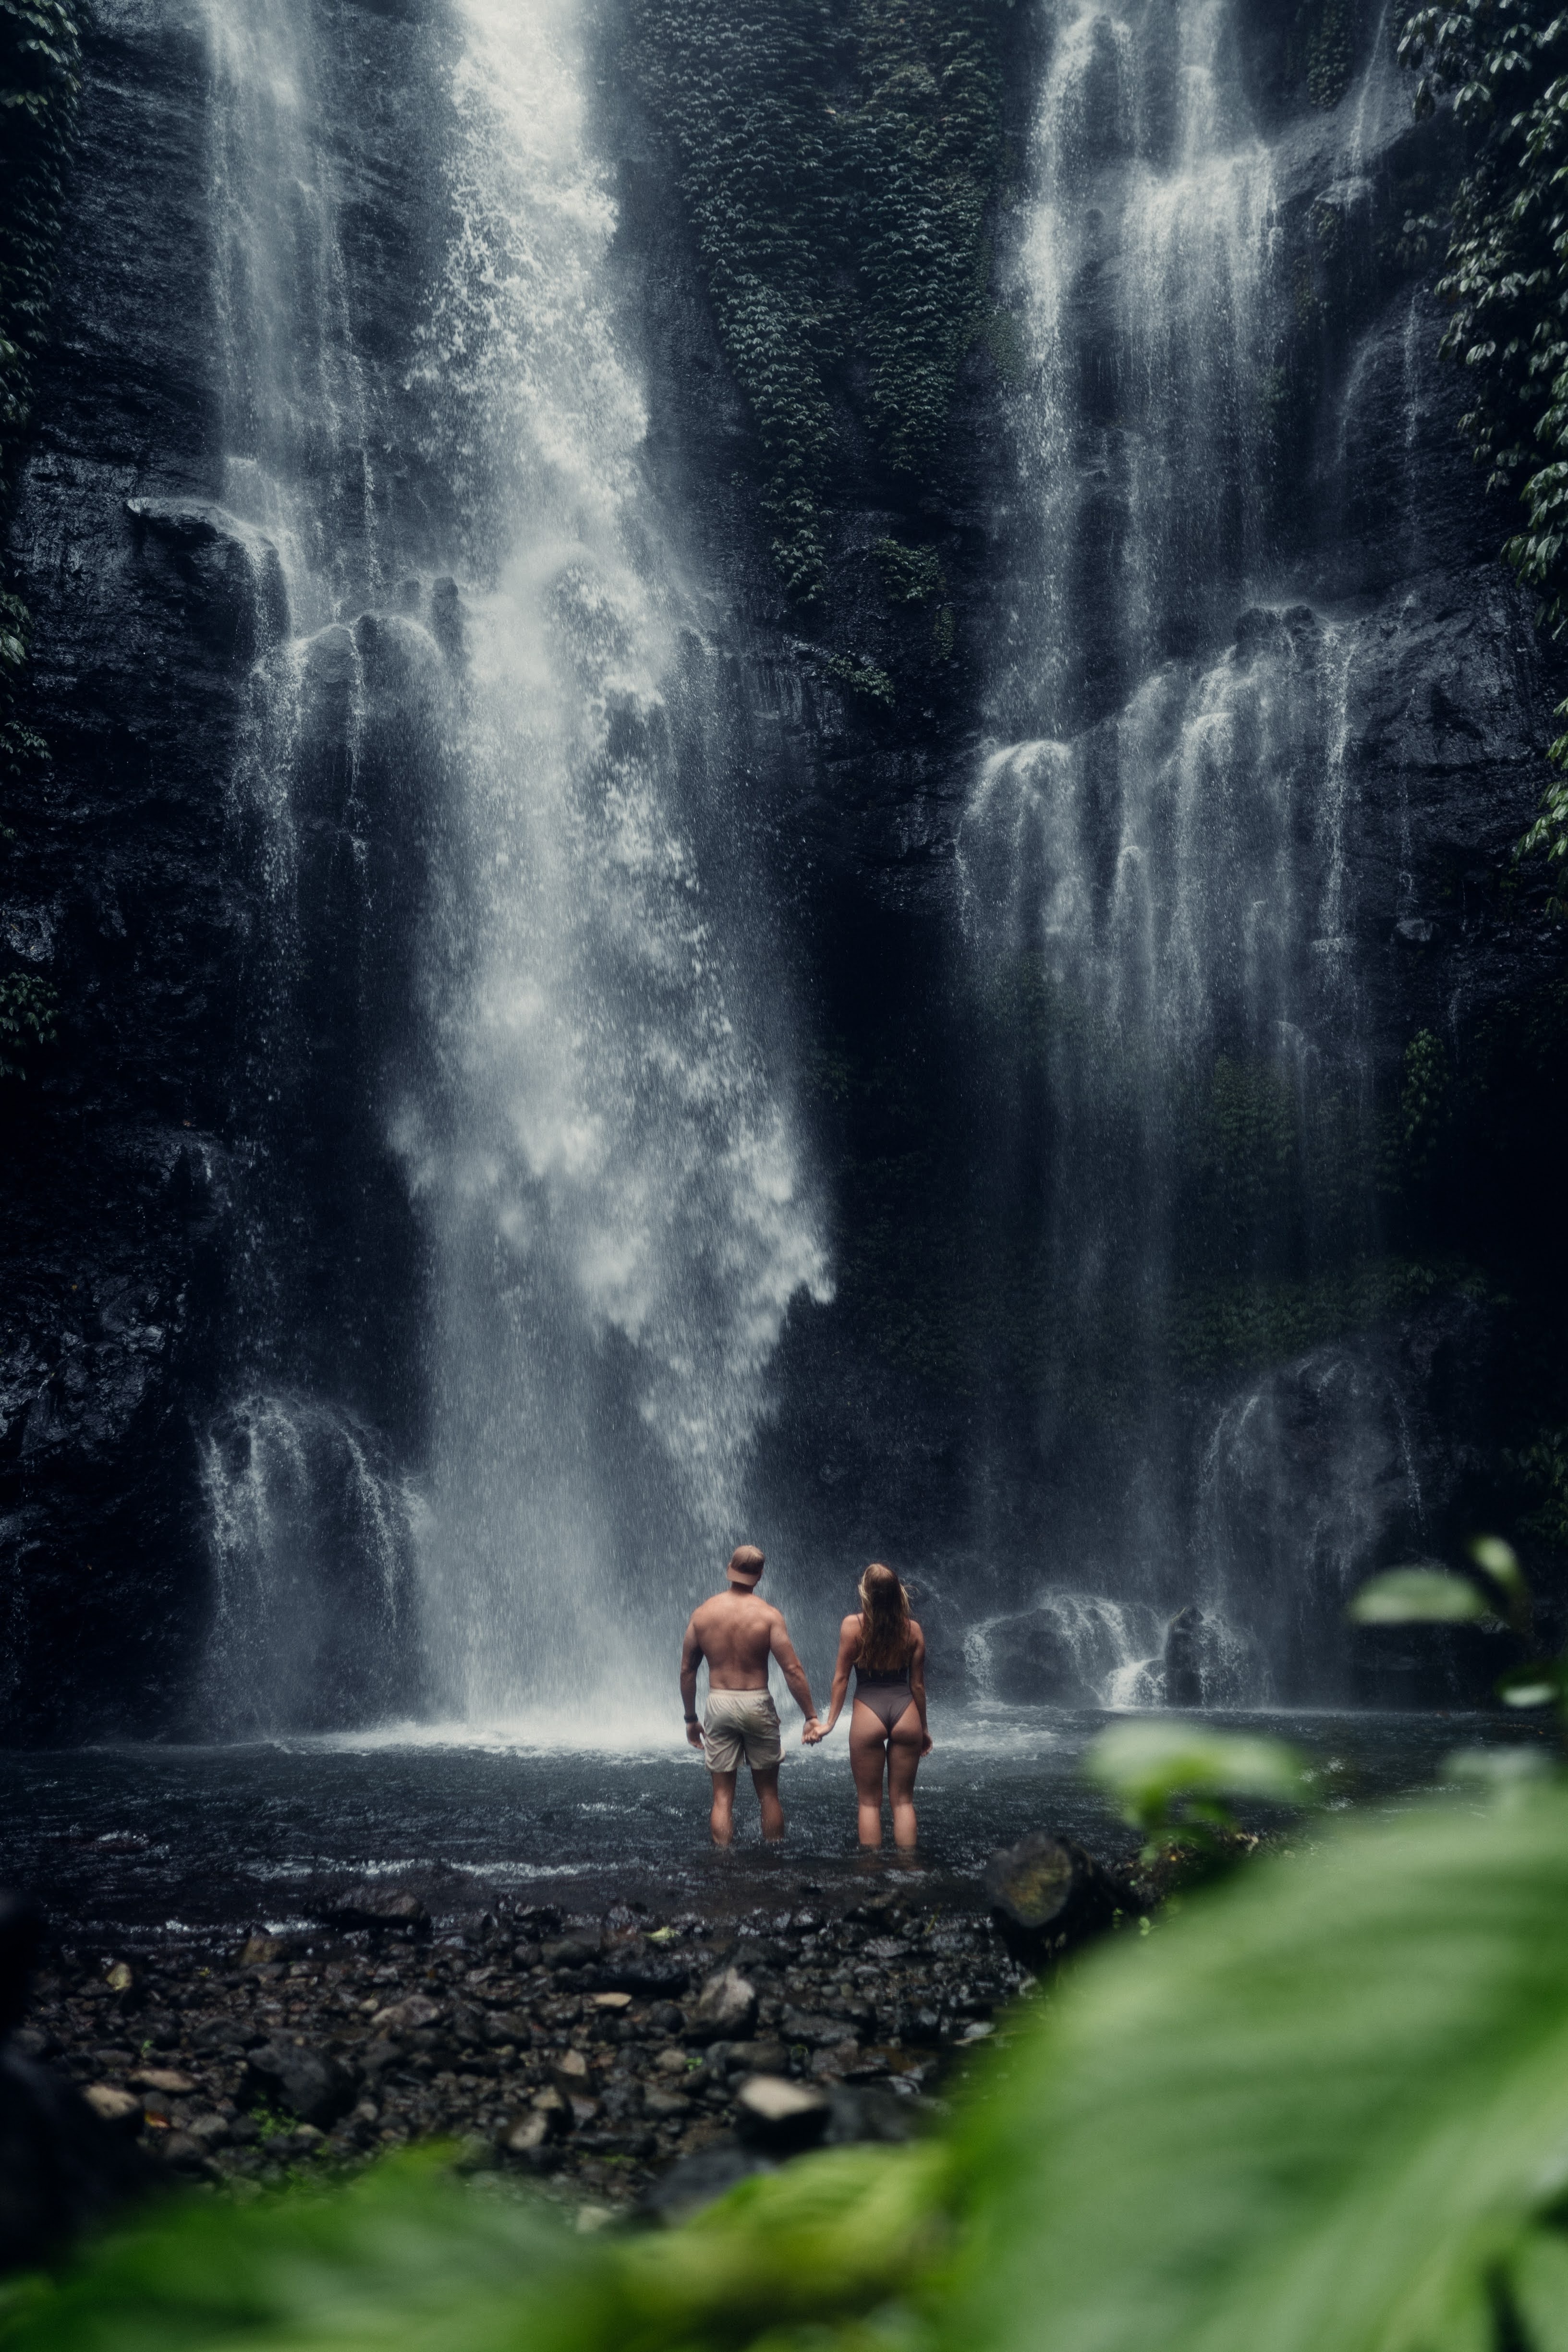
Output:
x,y
737,1634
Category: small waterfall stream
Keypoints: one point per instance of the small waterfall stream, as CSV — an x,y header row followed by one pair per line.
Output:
x,y
1155,853
309,1526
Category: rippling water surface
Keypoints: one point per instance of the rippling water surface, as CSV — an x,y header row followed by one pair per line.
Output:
x,y
199,1837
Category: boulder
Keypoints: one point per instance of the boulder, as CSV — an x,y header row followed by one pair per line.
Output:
x,y
816,2033
725,2010
20,1928
781,2115
310,2084
634,1965
1047,1892
263,1951
504,2025
380,1906
569,2072
567,1952
114,2106
63,2167
538,2129
409,2015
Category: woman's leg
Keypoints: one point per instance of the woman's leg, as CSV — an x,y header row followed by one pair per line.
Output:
x,y
867,1754
903,1762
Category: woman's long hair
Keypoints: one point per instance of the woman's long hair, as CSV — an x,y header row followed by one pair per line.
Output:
x,y
885,1639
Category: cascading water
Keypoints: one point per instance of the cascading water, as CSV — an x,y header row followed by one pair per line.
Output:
x,y
614,1194
1154,854
476,815
308,1522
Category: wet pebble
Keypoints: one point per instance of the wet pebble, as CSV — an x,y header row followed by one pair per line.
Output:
x,y
542,2043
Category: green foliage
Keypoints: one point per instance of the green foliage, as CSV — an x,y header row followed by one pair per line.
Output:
x,y
836,157
1324,2105
1424,1100
1329,58
1418,1596
29,1013
1247,1321
862,677
39,80
1321,2108
1544,1468
1173,1781
1505,64
1424,1596
911,575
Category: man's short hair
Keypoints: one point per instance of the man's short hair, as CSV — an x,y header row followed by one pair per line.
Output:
x,y
747,1561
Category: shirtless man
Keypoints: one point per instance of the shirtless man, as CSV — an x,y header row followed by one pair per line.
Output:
x,y
737,1634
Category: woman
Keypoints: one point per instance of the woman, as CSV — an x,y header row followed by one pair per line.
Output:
x,y
888,1726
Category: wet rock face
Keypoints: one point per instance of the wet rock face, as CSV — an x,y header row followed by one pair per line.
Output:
x,y
137,886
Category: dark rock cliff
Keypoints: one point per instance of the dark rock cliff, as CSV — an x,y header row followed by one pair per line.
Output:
x,y
146,1152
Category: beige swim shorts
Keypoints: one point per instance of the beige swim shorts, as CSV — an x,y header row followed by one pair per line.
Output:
x,y
742,1723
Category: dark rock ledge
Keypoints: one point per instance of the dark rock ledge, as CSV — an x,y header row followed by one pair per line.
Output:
x,y
609,2055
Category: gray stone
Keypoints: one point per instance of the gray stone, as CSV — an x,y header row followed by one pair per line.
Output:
x,y
297,2081
725,2010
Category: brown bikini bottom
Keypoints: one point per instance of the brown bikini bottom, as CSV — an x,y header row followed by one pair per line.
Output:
x,y
886,1701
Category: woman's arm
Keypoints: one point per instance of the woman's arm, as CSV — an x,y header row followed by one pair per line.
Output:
x,y
849,1643
918,1682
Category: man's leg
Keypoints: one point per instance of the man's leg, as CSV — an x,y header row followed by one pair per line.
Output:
x,y
722,1817
765,1781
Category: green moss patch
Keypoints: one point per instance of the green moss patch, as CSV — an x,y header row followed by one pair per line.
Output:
x,y
836,158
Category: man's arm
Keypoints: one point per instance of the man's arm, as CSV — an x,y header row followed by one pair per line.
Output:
x,y
690,1659
794,1673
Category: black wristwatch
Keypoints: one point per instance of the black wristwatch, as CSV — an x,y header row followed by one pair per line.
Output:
x,y
692,1718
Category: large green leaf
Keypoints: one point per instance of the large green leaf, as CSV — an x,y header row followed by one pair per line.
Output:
x,y
1312,2113
404,2258
1418,1596
408,2259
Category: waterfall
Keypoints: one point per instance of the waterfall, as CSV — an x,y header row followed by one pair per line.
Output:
x,y
616,1197
490,797
1153,856
309,1523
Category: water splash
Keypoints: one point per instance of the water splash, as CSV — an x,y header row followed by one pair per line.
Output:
x,y
312,1547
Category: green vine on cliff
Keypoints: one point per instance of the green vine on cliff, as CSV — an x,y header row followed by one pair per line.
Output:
x,y
1504,65
836,158
39,80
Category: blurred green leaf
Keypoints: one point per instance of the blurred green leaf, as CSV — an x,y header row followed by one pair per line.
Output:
x,y
403,2257
408,2257
1536,1685
1318,2110
1502,1770
1500,1562
1537,2287
1418,1596
1149,1767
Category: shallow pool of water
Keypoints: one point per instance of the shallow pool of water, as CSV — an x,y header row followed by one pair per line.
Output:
x,y
161,1837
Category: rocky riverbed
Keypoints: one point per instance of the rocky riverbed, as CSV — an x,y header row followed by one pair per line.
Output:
x,y
624,2057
